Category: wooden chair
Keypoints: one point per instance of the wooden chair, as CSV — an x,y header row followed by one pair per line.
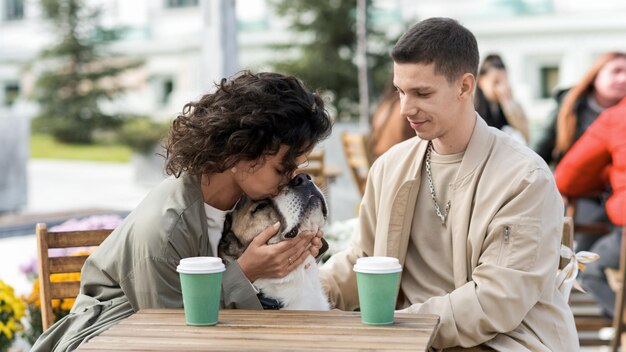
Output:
x,y
61,265
617,280
599,229
567,239
315,167
355,149
588,316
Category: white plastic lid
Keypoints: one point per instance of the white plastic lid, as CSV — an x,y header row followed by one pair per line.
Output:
x,y
200,265
377,265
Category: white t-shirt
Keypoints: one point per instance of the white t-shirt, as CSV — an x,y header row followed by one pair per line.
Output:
x,y
426,275
215,219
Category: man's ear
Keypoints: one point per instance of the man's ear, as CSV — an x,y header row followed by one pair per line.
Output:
x,y
467,82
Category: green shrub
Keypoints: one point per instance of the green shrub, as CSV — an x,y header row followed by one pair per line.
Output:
x,y
142,134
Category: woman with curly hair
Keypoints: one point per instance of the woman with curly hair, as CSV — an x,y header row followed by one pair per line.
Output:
x,y
246,138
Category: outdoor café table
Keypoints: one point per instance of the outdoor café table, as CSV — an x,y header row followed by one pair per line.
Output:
x,y
265,330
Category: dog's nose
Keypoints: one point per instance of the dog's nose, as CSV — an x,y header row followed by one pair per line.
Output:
x,y
300,180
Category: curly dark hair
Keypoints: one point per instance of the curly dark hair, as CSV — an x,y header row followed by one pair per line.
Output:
x,y
248,116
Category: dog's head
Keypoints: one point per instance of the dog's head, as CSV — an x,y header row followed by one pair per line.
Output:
x,y
299,206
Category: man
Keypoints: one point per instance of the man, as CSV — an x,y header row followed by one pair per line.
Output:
x,y
474,216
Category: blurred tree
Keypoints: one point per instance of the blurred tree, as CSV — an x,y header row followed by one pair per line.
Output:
x,y
326,55
79,73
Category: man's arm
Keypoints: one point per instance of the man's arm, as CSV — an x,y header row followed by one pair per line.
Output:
x,y
338,279
517,265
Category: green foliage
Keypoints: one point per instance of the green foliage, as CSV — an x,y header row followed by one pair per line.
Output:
x,y
327,60
36,328
142,134
44,146
79,73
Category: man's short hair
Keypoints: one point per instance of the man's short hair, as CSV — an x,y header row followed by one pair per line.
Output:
x,y
445,42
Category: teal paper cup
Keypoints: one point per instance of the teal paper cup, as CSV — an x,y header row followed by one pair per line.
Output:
x,y
201,284
377,281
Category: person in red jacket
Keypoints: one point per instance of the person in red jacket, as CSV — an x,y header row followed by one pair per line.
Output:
x,y
596,160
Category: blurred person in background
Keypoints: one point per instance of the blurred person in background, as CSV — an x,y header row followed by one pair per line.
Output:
x,y
388,126
245,139
494,100
598,158
601,87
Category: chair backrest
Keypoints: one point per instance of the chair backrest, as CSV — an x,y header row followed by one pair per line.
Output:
x,y
587,314
64,264
315,168
598,228
355,149
619,285
567,239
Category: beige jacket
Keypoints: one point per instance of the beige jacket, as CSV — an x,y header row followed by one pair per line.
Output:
x,y
506,218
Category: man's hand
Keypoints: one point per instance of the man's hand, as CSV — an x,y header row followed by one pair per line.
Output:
x,y
261,260
316,243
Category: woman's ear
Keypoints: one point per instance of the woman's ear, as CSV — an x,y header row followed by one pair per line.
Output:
x,y
466,85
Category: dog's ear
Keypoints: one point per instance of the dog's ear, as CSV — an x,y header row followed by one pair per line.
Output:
x,y
229,248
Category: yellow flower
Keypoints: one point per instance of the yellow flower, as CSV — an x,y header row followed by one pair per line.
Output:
x,y
11,309
6,331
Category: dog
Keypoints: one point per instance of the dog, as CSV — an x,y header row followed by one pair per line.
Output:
x,y
299,206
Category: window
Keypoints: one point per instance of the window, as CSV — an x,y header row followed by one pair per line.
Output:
x,y
181,3
166,91
11,92
549,80
163,86
13,10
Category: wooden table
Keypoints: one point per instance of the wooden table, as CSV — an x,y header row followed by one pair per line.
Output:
x,y
269,330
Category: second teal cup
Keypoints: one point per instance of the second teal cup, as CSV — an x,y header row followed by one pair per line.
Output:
x,y
377,281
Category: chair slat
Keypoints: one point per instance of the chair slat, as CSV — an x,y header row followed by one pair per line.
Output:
x,y
567,238
315,168
355,150
53,266
67,264
76,238
68,289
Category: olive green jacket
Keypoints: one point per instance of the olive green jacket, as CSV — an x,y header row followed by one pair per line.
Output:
x,y
135,267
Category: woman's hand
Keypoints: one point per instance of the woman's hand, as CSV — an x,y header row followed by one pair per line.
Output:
x,y
275,260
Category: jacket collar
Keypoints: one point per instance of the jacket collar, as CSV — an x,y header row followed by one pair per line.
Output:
x,y
476,152
399,229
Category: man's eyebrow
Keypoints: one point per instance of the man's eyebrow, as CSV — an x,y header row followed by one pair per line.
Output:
x,y
414,89
419,89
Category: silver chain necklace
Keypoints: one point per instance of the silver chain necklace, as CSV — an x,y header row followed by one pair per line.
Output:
x,y
441,216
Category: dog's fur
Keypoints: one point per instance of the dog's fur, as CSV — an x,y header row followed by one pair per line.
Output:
x,y
299,206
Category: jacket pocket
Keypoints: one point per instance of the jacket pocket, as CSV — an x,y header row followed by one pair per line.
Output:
x,y
520,245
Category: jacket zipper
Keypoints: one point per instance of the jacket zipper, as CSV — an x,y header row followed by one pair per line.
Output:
x,y
507,233
505,242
